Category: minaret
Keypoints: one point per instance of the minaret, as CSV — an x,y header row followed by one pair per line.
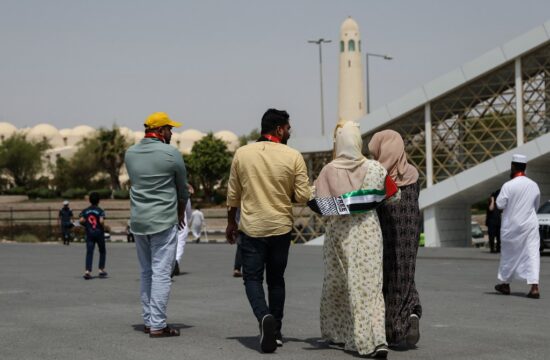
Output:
x,y
351,93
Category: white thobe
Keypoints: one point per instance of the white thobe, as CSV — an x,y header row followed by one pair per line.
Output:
x,y
519,199
197,218
183,233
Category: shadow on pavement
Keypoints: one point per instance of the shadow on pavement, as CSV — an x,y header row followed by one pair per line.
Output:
x,y
516,293
178,326
251,342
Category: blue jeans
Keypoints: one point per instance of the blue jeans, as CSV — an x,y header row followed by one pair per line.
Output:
x,y
269,254
156,255
91,240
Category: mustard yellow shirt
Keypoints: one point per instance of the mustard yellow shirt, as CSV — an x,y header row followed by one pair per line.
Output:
x,y
265,178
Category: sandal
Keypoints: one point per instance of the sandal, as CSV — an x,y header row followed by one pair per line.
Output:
x,y
166,332
146,329
103,274
87,276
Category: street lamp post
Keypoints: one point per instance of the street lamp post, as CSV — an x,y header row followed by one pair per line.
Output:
x,y
320,43
385,57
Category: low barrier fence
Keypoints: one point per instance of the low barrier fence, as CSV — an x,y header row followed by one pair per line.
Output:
x,y
43,223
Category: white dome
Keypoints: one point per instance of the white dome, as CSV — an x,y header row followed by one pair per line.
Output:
x,y
191,134
83,131
47,132
349,27
66,132
229,138
127,133
6,130
138,135
69,137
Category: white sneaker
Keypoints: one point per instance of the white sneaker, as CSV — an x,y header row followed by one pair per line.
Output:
x,y
413,335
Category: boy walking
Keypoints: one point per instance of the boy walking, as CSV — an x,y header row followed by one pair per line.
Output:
x,y
93,218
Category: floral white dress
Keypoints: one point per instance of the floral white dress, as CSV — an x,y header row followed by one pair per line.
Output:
x,y
352,303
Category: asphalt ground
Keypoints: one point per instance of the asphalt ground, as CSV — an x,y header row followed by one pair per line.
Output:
x,y
48,311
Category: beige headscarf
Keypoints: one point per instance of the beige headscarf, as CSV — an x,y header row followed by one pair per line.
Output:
x,y
389,149
347,171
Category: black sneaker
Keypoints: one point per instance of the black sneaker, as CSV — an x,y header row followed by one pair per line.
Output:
x,y
413,335
279,339
268,343
87,276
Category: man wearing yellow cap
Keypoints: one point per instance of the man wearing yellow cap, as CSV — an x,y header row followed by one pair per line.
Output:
x,y
158,196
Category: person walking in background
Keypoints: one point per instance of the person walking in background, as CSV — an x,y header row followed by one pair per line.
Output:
x,y
93,220
197,223
183,234
519,200
492,221
352,302
65,222
265,177
238,264
158,196
400,223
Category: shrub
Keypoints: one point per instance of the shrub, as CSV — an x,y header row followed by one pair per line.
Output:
x,y
41,193
103,193
27,238
18,190
121,194
74,193
42,232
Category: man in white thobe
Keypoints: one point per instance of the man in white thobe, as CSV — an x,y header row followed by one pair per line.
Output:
x,y
197,220
519,199
183,234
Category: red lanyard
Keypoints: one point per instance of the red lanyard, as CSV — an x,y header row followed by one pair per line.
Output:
x,y
272,138
519,173
154,135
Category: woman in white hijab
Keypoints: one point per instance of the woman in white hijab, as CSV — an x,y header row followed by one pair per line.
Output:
x,y
352,303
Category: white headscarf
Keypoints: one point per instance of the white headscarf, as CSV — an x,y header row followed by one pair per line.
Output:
x,y
346,172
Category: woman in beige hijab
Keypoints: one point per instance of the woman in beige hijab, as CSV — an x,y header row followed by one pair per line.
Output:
x,y
352,304
400,222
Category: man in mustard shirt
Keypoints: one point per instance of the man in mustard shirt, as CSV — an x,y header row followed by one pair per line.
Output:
x,y
266,177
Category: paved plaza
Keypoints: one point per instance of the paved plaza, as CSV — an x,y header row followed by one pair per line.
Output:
x,y
49,312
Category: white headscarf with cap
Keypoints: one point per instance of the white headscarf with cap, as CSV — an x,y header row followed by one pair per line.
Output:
x,y
346,172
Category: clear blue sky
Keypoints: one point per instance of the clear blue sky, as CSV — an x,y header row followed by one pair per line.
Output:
x,y
219,65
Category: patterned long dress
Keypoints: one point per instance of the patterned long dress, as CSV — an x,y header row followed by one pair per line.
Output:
x,y
352,304
400,222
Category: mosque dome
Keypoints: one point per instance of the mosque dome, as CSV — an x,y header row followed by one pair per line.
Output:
x,y
6,130
127,133
191,134
83,131
229,138
45,132
349,27
68,136
138,135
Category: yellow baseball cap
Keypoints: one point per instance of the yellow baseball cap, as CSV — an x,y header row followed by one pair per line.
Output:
x,y
159,119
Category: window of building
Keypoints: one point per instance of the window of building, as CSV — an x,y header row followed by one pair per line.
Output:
x,y
342,46
359,46
349,63
351,45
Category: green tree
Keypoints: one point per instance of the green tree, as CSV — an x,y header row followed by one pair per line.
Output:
x,y
106,151
252,136
209,162
21,159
